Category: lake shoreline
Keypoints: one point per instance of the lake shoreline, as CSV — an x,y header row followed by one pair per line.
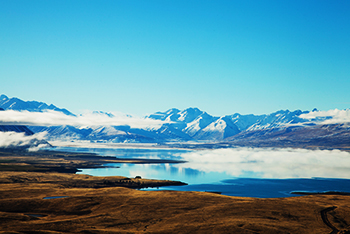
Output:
x,y
20,166
63,162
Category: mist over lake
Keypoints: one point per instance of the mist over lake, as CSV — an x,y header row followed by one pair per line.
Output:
x,y
252,172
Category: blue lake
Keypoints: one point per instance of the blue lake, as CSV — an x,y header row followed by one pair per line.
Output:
x,y
243,172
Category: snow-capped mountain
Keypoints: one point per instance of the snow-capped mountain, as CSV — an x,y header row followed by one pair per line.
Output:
x,y
277,119
193,124
218,130
243,122
200,125
33,106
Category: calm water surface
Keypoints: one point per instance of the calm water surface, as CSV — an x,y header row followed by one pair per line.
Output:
x,y
235,172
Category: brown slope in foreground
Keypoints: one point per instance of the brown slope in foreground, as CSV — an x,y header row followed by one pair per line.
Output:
x,y
124,210
97,205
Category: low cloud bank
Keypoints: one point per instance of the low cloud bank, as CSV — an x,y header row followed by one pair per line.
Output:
x,y
328,117
54,118
15,139
270,163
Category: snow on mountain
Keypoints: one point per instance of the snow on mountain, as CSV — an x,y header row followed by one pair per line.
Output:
x,y
105,132
33,106
169,115
194,124
189,114
64,132
243,122
218,130
185,125
277,119
172,125
169,132
201,122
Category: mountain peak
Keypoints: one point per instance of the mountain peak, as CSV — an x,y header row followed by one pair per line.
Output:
x,y
170,114
192,109
171,111
34,106
189,114
3,97
103,113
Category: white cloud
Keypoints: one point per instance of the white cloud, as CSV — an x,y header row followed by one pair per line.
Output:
x,y
329,117
270,163
8,139
54,118
110,145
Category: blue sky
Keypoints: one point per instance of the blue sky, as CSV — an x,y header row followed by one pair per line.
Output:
x,y
139,57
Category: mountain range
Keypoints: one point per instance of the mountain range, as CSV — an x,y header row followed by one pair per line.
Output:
x,y
281,128
18,104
